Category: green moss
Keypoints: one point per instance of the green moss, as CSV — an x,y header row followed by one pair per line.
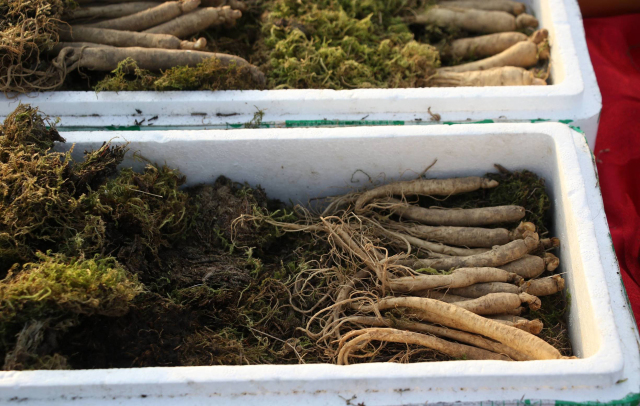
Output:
x,y
342,45
46,200
526,189
57,283
207,75
145,208
552,313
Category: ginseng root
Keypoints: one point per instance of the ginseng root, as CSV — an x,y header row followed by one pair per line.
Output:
x,y
461,336
464,236
426,187
530,326
478,21
523,54
360,338
495,258
502,76
544,286
499,303
507,6
150,17
431,246
55,49
551,261
197,21
454,217
459,278
492,303
453,316
484,46
442,295
108,11
482,289
549,243
234,4
503,303
529,266
127,39
107,59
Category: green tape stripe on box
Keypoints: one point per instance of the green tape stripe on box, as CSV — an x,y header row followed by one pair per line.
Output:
x,y
340,123
630,400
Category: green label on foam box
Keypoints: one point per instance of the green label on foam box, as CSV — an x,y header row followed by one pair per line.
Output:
x,y
632,399
339,123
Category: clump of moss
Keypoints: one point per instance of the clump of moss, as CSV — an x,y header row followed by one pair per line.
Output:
x,y
57,290
338,44
56,283
148,206
44,196
553,313
526,189
26,128
207,75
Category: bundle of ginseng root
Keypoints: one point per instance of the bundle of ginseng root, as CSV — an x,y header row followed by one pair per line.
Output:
x,y
151,34
397,278
497,52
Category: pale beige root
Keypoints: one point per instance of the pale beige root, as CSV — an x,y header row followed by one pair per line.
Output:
x,y
461,336
544,286
501,76
551,261
108,11
426,187
484,45
361,338
459,278
343,295
453,316
431,246
370,257
56,48
107,59
492,303
126,39
529,266
478,21
150,17
539,36
515,312
481,289
530,326
196,21
234,4
523,54
497,257
499,303
526,21
443,296
549,243
454,217
508,6
463,236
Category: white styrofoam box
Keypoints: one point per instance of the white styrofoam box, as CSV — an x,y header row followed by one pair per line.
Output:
x,y
573,97
299,164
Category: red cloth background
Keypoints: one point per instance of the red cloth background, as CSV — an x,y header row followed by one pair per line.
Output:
x,y
614,45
